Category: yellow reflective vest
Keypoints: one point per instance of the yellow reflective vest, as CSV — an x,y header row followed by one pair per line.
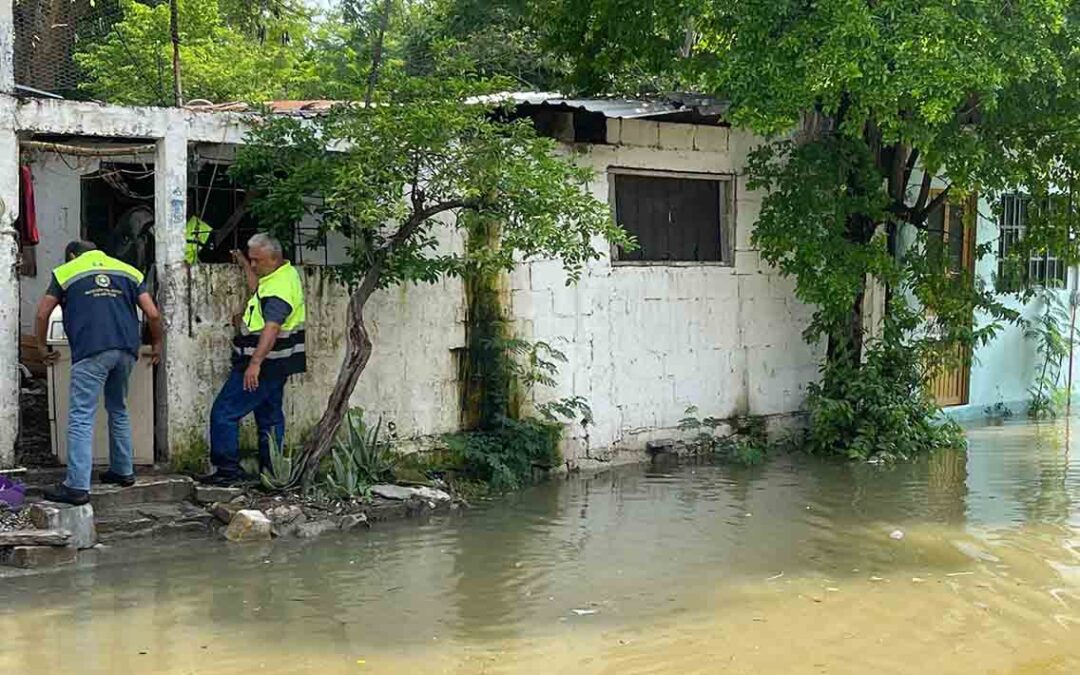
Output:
x,y
287,357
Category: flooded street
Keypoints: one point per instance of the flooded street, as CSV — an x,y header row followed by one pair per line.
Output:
x,y
959,563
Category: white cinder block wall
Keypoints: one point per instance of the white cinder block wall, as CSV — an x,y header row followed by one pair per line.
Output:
x,y
645,342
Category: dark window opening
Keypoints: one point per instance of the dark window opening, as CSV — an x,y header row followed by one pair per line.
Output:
x,y
221,203
118,212
675,218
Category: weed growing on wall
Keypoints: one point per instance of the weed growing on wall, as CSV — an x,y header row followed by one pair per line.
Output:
x,y
1053,341
745,444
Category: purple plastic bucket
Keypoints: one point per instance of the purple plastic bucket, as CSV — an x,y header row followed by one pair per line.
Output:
x,y
12,493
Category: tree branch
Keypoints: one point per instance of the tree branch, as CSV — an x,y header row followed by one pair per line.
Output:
x,y
924,192
913,158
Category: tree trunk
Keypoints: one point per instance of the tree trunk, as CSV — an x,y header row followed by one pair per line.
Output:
x,y
356,359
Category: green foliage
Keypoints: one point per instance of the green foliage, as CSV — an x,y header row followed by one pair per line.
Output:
x,y
746,445
506,455
192,459
284,470
1053,341
494,36
446,156
362,457
880,409
259,58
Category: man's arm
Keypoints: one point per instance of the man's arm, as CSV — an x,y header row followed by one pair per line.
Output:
x,y
266,343
153,317
44,310
249,272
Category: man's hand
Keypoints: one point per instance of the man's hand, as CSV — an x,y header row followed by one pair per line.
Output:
x,y
251,376
240,259
154,357
48,356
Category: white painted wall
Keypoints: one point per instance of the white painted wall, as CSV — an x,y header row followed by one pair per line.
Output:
x,y
646,342
57,188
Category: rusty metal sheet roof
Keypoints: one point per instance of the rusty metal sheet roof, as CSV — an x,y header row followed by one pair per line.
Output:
x,y
609,107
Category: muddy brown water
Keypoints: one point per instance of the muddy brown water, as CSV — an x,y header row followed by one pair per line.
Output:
x,y
788,568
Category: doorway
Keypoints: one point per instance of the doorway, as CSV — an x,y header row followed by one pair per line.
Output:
x,y
951,241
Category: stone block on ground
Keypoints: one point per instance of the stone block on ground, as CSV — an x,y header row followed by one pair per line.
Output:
x,y
35,538
78,520
401,493
286,514
224,512
32,557
314,528
208,494
352,521
248,525
145,491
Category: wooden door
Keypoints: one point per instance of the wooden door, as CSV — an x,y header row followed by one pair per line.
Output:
x,y
951,232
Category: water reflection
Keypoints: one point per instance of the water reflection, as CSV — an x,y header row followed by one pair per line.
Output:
x,y
674,568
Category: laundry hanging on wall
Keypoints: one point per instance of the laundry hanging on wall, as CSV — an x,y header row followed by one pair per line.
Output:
x,y
26,225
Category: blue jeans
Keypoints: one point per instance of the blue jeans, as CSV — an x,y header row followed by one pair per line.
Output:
x,y
234,404
108,372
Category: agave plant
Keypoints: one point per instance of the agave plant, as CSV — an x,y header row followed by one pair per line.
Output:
x,y
284,470
374,458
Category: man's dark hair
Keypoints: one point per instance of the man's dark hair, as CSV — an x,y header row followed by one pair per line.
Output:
x,y
77,248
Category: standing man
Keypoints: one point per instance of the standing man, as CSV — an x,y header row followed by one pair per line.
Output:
x,y
99,295
267,349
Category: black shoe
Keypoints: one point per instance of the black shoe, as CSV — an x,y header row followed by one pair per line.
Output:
x,y
218,479
112,478
65,495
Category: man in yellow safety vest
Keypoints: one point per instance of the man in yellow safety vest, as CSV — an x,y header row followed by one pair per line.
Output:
x,y
268,347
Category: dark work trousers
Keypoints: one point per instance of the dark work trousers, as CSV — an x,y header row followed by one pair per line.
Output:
x,y
234,404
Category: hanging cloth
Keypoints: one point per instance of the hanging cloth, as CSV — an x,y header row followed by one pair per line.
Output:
x,y
26,225
28,230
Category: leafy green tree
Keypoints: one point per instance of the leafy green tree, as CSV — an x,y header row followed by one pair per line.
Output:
x,y
864,103
421,158
221,62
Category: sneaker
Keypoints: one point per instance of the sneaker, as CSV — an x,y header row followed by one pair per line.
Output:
x,y
218,479
112,478
65,495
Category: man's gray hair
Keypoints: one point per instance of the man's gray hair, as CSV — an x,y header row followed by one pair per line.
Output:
x,y
267,243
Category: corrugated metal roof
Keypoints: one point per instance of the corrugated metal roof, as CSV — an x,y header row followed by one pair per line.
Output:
x,y
609,107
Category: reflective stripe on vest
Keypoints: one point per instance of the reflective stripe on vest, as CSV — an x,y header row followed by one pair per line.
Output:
x,y
91,263
283,283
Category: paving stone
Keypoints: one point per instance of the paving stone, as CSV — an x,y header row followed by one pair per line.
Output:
x,y
31,557
208,494
78,520
35,538
148,490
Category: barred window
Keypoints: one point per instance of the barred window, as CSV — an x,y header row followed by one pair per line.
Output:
x,y
1042,268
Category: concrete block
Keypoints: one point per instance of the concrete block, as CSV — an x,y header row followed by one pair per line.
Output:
x,y
640,133
614,130
35,538
208,494
78,520
145,491
710,139
33,557
677,136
